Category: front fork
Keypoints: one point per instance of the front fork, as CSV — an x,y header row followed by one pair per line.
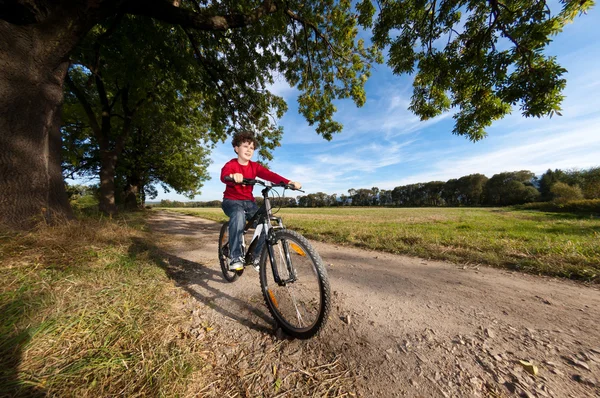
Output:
x,y
286,251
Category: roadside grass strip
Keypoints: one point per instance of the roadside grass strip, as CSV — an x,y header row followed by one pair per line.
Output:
x,y
84,312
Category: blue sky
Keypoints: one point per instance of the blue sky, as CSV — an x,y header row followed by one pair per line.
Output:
x,y
384,145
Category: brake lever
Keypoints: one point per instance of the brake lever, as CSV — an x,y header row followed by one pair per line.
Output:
x,y
290,187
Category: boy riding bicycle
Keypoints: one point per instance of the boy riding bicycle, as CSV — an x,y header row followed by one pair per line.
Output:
x,y
238,200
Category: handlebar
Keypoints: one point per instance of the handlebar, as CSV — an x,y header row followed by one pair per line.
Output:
x,y
252,181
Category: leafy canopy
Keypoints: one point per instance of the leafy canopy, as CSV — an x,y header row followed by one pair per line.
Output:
x,y
478,57
132,91
482,57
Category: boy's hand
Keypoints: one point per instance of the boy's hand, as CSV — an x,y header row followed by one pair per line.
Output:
x,y
295,184
237,177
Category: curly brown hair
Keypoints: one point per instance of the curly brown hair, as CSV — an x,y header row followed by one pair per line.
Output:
x,y
244,136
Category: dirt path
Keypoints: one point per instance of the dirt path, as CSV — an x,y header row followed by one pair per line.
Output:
x,y
411,327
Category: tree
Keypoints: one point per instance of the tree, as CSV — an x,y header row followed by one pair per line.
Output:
x,y
319,199
165,154
312,44
591,186
169,119
432,193
375,198
563,193
587,180
398,197
344,200
413,194
547,180
510,188
451,193
385,197
471,189
362,197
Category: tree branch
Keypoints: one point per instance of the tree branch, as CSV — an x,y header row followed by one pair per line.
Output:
x,y
524,51
494,4
205,64
165,11
102,93
120,139
432,26
310,69
318,33
104,36
86,106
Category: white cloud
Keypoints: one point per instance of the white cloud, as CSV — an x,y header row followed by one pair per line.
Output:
x,y
564,147
281,88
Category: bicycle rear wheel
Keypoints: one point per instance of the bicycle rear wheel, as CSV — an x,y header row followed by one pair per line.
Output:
x,y
230,276
300,306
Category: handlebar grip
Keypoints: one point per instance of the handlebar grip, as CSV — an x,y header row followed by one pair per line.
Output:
x,y
245,181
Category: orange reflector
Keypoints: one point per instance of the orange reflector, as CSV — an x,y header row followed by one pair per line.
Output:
x,y
297,249
273,299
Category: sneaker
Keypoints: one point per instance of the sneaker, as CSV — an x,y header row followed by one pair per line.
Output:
x,y
251,262
236,265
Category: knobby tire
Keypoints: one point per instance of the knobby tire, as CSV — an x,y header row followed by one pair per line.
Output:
x,y
300,308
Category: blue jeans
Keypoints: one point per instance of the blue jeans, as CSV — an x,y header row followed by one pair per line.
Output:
x,y
238,212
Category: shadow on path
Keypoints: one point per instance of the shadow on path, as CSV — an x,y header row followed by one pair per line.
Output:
x,y
198,280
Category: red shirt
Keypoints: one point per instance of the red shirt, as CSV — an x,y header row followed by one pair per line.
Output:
x,y
251,170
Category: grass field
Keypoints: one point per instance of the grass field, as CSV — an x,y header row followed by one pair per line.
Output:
x,y
87,311
555,244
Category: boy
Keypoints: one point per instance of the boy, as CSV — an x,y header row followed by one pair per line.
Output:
x,y
238,201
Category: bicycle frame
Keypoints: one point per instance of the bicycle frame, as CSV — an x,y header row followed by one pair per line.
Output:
x,y
264,218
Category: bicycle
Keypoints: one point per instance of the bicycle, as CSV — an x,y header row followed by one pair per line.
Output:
x,y
293,279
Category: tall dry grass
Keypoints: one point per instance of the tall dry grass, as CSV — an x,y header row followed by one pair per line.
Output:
x,y
86,312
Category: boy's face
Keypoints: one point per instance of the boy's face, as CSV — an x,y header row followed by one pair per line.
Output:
x,y
245,151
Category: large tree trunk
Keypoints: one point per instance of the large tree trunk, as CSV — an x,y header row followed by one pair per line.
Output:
x,y
107,203
31,183
34,47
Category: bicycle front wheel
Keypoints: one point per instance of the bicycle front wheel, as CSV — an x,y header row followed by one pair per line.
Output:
x,y
300,303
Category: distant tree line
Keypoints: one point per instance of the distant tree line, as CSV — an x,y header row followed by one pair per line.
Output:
x,y
177,203
502,189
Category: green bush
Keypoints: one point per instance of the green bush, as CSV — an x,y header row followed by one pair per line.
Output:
x,y
565,193
588,206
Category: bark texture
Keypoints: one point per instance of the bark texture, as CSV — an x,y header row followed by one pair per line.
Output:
x,y
36,39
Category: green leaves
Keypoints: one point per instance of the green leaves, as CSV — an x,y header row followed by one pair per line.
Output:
x,y
481,58
481,63
325,60
139,101
366,11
